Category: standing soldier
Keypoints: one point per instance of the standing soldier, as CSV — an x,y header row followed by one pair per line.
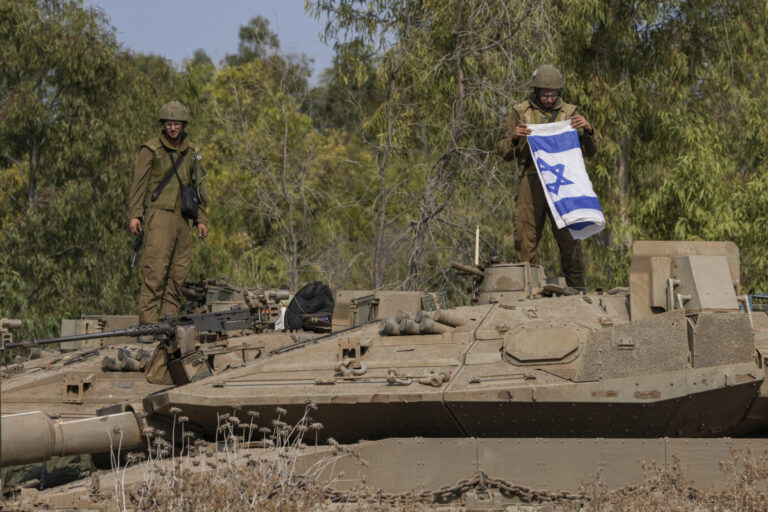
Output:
x,y
544,105
166,166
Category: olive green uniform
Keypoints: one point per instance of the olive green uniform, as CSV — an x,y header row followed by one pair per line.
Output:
x,y
168,243
531,208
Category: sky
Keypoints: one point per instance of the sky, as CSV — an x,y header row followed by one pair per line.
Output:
x,y
176,28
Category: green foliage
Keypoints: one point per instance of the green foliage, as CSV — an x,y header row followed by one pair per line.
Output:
x,y
272,172
378,176
350,91
58,64
677,99
444,68
68,139
256,42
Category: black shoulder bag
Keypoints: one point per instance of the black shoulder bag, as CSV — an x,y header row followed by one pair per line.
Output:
x,y
189,198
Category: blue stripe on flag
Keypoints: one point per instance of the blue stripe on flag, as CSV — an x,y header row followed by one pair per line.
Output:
x,y
569,204
578,226
555,143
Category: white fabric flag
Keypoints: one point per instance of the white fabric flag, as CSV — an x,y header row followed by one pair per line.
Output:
x,y
557,154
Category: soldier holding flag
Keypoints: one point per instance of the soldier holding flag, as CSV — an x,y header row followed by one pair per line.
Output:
x,y
544,105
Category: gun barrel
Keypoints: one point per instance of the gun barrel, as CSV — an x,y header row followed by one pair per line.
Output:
x,y
135,331
34,437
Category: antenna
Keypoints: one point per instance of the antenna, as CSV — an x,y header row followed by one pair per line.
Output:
x,y
477,245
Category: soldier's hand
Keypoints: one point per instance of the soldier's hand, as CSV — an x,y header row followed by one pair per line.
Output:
x,y
578,122
135,226
202,231
521,130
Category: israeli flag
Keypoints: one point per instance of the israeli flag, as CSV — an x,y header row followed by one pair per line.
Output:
x,y
557,154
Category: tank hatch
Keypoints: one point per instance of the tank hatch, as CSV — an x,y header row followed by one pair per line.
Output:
x,y
543,343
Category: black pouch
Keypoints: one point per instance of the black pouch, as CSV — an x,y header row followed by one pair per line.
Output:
x,y
189,202
189,198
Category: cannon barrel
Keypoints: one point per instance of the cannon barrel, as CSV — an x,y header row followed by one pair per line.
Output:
x,y
135,331
34,437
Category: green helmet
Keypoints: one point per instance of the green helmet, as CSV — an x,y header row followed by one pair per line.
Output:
x,y
174,111
547,77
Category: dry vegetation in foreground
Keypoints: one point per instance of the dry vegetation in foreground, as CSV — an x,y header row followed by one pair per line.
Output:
x,y
234,478
746,490
266,479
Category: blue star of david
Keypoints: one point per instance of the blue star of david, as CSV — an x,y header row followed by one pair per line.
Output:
x,y
559,171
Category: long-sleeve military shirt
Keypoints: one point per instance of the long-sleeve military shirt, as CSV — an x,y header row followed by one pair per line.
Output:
x,y
140,193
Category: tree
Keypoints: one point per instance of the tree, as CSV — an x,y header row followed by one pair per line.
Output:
x,y
257,41
447,68
349,91
68,140
58,66
668,84
271,164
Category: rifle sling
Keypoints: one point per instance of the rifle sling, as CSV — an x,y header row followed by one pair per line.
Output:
x,y
553,116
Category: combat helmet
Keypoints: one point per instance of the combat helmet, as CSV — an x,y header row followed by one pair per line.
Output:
x,y
174,111
547,76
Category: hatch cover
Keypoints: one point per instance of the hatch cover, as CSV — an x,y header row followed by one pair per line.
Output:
x,y
543,343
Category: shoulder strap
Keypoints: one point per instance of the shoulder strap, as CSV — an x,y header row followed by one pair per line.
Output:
x,y
553,117
565,108
170,173
176,165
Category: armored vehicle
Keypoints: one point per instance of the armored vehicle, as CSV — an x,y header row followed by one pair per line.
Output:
x,y
532,370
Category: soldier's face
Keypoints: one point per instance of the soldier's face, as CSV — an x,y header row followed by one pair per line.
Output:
x,y
173,128
548,97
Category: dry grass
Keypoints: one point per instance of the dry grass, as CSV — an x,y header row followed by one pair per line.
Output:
x,y
236,478
180,472
746,490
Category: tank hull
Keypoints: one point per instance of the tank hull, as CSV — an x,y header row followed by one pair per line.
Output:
x,y
715,413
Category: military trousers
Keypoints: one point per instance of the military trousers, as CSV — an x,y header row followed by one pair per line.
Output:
x,y
531,212
165,262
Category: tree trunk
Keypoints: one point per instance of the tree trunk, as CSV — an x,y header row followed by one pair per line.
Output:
x,y
34,159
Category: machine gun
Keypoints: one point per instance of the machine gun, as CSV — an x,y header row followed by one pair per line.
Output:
x,y
216,323
178,359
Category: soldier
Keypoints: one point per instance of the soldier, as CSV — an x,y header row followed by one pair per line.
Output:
x,y
544,105
165,165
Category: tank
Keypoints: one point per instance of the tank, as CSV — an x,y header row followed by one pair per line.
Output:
x,y
673,363
674,354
